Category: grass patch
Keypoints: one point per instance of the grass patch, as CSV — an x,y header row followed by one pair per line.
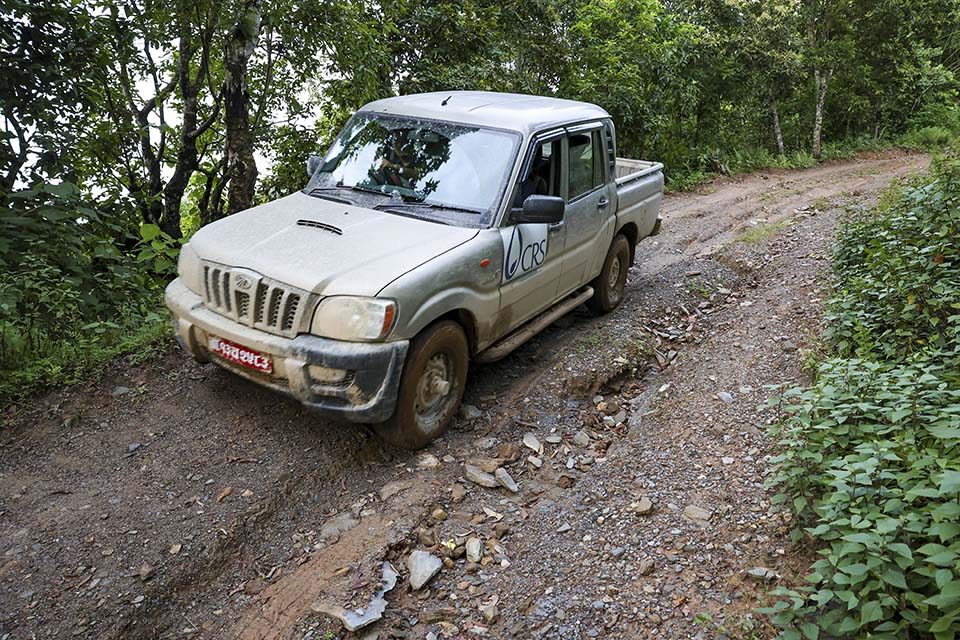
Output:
x,y
763,231
82,358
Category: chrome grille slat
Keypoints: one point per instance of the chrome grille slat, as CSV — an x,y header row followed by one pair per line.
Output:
x,y
254,300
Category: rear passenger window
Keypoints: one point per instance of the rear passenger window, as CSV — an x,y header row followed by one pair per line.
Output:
x,y
586,164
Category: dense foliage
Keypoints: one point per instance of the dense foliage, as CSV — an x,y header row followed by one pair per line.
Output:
x,y
871,462
168,115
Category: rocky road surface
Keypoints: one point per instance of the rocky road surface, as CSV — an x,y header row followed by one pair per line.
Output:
x,y
626,455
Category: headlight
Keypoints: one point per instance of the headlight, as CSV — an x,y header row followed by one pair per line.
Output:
x,y
188,266
354,319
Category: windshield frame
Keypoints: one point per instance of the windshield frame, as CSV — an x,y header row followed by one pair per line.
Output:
x,y
486,218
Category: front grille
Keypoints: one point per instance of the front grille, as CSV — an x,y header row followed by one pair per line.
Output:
x,y
254,300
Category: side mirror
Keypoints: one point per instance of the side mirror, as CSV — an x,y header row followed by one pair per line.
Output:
x,y
541,209
313,163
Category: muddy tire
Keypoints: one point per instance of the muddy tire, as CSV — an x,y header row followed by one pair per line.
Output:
x,y
609,286
431,388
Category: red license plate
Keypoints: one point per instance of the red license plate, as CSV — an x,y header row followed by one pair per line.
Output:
x,y
240,355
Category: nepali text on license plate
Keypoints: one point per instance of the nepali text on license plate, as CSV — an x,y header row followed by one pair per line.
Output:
x,y
240,354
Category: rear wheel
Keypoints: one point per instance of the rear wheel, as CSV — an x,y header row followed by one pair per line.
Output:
x,y
609,286
431,388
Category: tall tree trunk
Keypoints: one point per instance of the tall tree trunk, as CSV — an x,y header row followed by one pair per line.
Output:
x,y
777,131
241,171
822,80
187,159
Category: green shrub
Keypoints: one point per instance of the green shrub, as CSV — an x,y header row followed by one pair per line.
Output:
x,y
870,460
930,138
79,285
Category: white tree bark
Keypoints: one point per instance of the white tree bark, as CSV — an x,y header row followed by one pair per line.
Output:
x,y
822,81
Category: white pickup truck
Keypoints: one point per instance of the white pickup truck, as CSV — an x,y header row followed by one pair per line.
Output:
x,y
439,228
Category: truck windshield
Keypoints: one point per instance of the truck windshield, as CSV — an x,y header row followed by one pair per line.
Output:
x,y
439,171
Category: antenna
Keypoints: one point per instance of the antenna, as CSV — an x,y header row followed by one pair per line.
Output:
x,y
445,101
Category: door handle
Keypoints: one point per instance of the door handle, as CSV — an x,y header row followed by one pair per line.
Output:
x,y
556,226
602,203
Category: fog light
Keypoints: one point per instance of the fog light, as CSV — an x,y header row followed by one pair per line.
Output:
x,y
326,375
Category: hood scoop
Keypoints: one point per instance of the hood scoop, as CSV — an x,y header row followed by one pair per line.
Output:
x,y
320,225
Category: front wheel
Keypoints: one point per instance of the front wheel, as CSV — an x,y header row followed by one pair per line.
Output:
x,y
431,388
609,286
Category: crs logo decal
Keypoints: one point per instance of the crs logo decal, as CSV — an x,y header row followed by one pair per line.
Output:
x,y
524,249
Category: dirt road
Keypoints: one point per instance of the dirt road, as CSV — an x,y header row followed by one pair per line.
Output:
x,y
170,499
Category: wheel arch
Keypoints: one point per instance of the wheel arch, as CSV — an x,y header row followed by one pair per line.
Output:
x,y
631,232
467,322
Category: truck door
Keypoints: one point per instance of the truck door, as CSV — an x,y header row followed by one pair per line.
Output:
x,y
589,219
533,253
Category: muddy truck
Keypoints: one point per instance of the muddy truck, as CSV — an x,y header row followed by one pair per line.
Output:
x,y
439,229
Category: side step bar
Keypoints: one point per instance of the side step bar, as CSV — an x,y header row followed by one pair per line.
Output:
x,y
532,328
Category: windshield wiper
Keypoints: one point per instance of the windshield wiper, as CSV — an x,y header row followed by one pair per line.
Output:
x,y
420,204
319,192
397,209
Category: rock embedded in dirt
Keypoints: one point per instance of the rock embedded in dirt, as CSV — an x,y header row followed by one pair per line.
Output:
x,y
646,566
133,446
508,452
563,528
506,481
724,397
474,549
553,439
763,574
423,567
581,439
428,461
334,527
439,514
353,620
469,412
535,461
697,515
642,506
487,465
530,441
480,477
457,493
120,391
393,487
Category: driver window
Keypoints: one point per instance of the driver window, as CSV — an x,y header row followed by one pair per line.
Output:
x,y
543,176
586,164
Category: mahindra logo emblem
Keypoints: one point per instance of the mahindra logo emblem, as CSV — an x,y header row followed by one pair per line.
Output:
x,y
242,282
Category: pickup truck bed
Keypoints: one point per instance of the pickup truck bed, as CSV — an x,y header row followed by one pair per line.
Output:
x,y
639,192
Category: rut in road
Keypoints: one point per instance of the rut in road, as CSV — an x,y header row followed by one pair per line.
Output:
x,y
90,516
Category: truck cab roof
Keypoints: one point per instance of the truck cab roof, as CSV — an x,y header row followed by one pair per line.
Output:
x,y
517,112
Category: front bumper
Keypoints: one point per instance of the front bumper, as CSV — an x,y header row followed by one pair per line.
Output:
x,y
368,392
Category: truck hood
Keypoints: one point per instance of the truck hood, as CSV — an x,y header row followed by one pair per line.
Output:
x,y
323,246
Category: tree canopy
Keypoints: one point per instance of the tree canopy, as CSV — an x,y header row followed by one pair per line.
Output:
x,y
126,125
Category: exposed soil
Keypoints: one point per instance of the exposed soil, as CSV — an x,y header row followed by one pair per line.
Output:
x,y
172,499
